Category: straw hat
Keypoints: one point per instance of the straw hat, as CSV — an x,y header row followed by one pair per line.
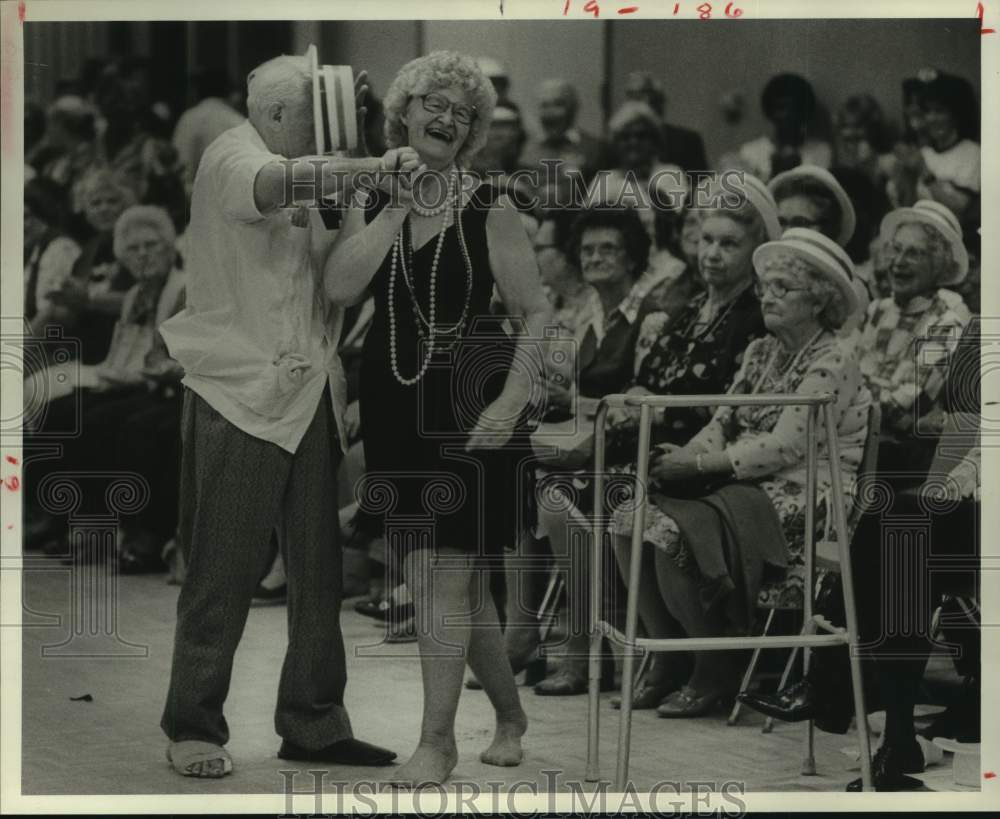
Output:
x,y
760,197
848,219
824,254
939,217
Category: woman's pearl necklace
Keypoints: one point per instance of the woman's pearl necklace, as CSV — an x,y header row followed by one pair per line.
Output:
x,y
399,261
436,211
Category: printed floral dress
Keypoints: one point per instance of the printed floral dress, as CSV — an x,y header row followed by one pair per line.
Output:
x,y
768,444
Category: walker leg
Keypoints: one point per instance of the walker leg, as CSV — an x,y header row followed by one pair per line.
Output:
x,y
594,708
809,762
625,723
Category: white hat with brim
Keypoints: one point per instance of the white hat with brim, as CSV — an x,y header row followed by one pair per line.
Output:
x,y
757,195
848,219
824,254
939,217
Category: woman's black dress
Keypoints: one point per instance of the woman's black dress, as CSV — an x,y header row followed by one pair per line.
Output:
x,y
419,478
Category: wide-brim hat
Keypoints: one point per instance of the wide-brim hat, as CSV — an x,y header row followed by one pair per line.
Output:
x,y
824,254
939,217
763,202
848,218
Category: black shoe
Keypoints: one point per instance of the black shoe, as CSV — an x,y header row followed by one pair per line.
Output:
x,y
345,752
801,701
794,703
891,762
134,563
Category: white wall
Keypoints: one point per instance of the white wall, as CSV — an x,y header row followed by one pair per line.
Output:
x,y
533,51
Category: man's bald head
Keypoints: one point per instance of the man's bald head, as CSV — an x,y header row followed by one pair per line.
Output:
x,y
279,103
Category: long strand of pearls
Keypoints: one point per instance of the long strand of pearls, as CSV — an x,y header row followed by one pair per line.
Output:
x,y
399,262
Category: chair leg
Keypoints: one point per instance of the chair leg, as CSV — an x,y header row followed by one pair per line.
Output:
x,y
550,602
734,715
644,664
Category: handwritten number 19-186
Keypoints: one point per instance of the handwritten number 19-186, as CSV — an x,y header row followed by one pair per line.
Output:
x,y
704,9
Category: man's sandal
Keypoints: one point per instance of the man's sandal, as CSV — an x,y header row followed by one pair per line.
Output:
x,y
192,757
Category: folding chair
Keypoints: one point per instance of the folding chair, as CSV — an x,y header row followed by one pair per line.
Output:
x,y
631,644
826,559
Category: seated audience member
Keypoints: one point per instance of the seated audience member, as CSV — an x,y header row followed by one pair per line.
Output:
x,y
562,141
92,297
120,385
946,168
699,348
725,514
499,160
811,197
572,299
676,258
638,179
789,104
697,351
861,139
611,248
949,503
908,337
67,149
870,204
904,168
148,444
200,124
49,255
129,143
678,146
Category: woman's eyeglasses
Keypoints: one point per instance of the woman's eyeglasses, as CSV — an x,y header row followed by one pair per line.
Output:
x,y
605,250
438,104
776,288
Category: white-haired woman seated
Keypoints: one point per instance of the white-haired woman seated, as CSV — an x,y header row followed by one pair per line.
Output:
x,y
748,465
639,179
107,394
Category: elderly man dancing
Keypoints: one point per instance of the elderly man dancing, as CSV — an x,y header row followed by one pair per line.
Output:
x,y
262,413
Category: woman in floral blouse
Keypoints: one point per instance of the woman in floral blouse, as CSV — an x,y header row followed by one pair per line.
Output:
x,y
806,294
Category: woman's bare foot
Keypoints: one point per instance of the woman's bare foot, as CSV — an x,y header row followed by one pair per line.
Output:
x,y
431,764
506,750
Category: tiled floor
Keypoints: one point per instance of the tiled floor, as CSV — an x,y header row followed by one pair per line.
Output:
x,y
113,744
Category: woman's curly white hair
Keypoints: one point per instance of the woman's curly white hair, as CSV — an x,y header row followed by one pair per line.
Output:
x,y
437,70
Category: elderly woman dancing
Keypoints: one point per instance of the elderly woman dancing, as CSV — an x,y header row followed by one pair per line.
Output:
x,y
750,462
440,432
